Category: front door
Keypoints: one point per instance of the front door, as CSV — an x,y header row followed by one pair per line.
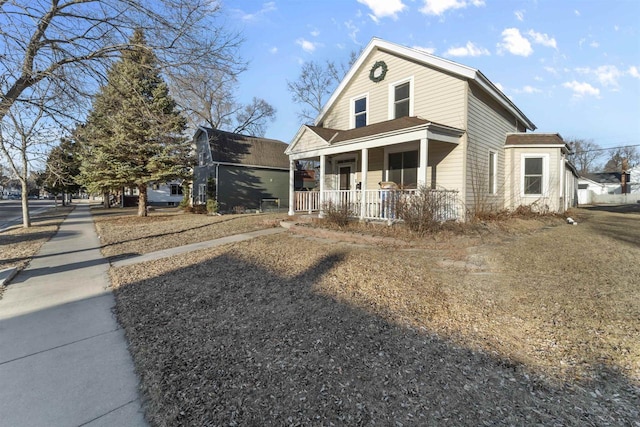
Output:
x,y
345,177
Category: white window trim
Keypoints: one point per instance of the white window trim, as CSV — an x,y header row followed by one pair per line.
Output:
x,y
493,158
545,173
412,96
352,109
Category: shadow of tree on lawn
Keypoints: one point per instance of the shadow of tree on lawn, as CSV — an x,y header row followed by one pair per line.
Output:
x,y
230,342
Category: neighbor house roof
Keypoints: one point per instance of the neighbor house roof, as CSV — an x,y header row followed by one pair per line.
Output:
x,y
421,57
604,177
247,150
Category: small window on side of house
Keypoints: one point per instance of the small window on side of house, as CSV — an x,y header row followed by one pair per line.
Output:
x,y
176,190
533,175
201,159
493,163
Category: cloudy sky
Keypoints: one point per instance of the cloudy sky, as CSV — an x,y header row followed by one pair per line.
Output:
x,y
572,66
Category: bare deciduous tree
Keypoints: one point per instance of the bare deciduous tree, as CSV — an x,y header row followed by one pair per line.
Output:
x,y
66,46
618,155
585,154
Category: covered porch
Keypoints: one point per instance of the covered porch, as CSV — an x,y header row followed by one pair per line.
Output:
x,y
370,170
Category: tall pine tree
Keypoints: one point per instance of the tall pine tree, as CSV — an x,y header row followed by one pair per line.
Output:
x,y
133,135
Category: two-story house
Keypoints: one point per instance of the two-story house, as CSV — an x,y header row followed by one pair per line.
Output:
x,y
404,118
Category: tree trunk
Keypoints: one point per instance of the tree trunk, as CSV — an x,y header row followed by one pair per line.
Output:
x,y
26,220
62,196
105,200
142,200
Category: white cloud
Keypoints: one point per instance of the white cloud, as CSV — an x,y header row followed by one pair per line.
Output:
x,y
273,50
530,89
468,50
384,8
266,8
439,7
633,72
519,15
551,70
353,31
315,32
514,43
616,27
576,12
581,89
542,39
607,75
594,44
499,86
306,45
430,50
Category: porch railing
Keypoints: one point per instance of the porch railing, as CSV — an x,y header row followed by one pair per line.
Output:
x,y
378,204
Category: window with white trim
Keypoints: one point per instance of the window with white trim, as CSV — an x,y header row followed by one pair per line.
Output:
x,y
493,164
403,168
360,112
201,158
533,178
401,100
202,193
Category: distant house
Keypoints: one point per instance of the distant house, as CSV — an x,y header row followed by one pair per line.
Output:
x,y
241,172
410,118
165,193
609,187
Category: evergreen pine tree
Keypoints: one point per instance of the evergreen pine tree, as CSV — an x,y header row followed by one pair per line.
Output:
x,y
133,135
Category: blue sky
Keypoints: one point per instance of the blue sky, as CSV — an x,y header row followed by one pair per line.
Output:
x,y
571,66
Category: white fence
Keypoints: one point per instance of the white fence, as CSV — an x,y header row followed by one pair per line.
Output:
x,y
378,204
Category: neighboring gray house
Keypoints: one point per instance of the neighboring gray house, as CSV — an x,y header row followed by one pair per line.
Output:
x,y
241,172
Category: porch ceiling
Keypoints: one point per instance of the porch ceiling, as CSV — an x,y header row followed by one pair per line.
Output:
x,y
390,132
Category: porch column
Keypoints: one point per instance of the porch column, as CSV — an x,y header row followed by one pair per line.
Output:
x,y
364,167
323,161
292,187
422,166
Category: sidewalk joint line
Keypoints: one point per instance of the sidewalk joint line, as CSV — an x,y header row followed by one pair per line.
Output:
x,y
107,413
59,346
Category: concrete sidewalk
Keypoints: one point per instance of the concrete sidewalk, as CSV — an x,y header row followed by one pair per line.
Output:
x,y
63,357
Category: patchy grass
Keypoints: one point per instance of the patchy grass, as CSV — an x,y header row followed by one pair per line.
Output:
x,y
122,232
285,330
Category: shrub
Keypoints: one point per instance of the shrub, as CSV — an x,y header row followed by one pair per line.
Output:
x,y
337,213
239,209
423,211
212,206
186,196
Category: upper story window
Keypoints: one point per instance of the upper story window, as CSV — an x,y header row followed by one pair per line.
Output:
x,y
402,98
201,158
360,112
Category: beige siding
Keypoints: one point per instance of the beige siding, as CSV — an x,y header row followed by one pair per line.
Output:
x,y
308,141
487,126
438,96
551,197
445,166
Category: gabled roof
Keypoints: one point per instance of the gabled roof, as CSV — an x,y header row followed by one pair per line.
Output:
x,y
605,177
246,150
433,61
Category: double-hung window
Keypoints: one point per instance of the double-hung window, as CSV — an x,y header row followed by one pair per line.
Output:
x,y
401,100
493,163
360,112
403,168
176,190
533,175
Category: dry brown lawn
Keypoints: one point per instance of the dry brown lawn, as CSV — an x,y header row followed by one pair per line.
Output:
x,y
122,233
522,324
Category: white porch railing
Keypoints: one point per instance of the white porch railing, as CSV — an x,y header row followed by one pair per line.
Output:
x,y
378,204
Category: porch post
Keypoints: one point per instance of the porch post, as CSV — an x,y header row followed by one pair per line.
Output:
x,y
422,166
292,187
323,161
364,167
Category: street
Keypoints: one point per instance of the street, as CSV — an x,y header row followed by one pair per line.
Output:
x,y
11,210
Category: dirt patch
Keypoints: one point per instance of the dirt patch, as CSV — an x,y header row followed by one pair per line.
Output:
x,y
287,330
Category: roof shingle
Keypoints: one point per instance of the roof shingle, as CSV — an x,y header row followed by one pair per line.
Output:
x,y
246,150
